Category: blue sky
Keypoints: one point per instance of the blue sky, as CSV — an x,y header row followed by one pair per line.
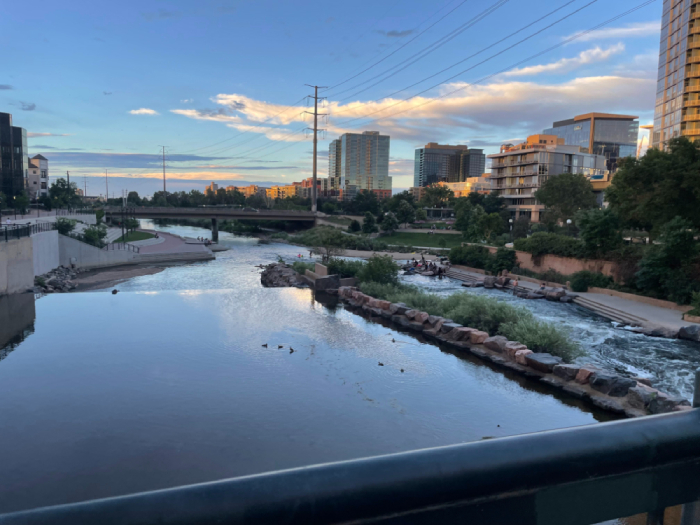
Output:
x,y
104,84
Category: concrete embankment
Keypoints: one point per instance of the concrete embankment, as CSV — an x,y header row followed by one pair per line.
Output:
x,y
602,388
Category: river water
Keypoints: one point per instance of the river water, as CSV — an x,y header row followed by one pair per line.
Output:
x,y
168,383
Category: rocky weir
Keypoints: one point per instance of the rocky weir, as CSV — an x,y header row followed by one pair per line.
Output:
x,y
602,388
59,280
280,275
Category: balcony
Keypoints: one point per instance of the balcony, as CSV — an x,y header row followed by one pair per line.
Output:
x,y
692,117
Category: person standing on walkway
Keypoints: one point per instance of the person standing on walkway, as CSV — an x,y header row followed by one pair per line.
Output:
x,y
515,286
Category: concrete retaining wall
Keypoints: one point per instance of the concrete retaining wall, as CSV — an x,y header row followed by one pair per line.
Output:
x,y
82,255
16,315
45,252
16,266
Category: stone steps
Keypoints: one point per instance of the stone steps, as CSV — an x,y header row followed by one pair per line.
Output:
x,y
461,275
611,313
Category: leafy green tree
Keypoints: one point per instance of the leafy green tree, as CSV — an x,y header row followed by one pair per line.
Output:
x,y
421,215
379,269
133,199
564,195
354,226
365,201
599,230
520,227
669,269
95,235
329,208
64,195
65,226
406,213
490,225
436,196
131,224
45,201
369,225
494,203
649,192
390,223
21,202
395,201
99,215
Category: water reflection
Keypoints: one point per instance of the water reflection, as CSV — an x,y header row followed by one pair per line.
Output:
x,y
16,321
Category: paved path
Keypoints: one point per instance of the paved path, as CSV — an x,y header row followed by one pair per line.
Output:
x,y
173,244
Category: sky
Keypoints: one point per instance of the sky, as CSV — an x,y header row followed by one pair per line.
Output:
x,y
222,84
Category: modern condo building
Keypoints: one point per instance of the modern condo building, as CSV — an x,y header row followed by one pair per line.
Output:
x,y
14,160
609,135
38,177
444,163
677,111
518,171
359,162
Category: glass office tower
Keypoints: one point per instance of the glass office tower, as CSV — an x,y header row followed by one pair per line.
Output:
x,y
14,161
444,163
359,162
613,136
677,111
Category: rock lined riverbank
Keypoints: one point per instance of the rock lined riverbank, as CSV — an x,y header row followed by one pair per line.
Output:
x,y
602,388
59,280
280,275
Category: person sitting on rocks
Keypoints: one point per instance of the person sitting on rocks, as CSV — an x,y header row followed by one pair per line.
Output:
x,y
542,288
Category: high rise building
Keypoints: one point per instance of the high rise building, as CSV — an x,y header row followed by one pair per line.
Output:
x,y
677,111
359,162
444,163
613,136
14,161
518,171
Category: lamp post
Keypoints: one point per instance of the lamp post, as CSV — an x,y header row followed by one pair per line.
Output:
x,y
14,205
568,226
511,229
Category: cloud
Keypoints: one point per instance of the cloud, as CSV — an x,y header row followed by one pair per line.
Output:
x,y
161,14
567,64
92,159
187,100
44,146
396,33
5,86
31,134
636,30
106,92
27,106
143,111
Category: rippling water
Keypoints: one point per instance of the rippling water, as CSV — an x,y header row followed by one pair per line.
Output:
x,y
167,383
669,363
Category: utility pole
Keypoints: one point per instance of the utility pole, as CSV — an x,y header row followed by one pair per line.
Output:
x,y
315,128
85,183
164,190
107,190
68,177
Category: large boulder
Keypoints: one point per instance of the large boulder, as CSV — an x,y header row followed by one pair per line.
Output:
x,y
477,337
566,372
543,362
663,403
398,308
661,331
522,355
384,305
534,295
584,375
512,347
566,299
502,281
611,384
411,313
690,332
496,343
421,317
446,328
461,334
640,396
489,281
555,295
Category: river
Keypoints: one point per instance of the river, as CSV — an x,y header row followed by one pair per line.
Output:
x,y
168,383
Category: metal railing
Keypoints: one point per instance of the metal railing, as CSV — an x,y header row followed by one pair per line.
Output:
x,y
17,231
118,246
574,476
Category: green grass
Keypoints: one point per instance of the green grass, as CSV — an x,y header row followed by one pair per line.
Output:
x,y
423,239
135,236
343,221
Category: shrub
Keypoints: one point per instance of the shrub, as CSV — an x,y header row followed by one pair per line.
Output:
x,y
301,267
65,226
95,235
583,280
539,244
503,259
484,313
344,268
379,269
470,255
354,226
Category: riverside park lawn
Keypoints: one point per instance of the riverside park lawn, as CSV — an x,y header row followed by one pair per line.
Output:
x,y
423,239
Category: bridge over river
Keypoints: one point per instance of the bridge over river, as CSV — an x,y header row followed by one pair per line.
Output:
x,y
214,213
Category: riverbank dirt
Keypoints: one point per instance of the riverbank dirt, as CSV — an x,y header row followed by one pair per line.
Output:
x,y
109,277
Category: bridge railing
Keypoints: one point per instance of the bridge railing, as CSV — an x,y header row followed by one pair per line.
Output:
x,y
574,476
121,246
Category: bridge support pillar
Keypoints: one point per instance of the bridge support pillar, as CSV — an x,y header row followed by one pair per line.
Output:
x,y
215,230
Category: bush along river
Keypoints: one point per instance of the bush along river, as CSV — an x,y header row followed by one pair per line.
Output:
x,y
199,373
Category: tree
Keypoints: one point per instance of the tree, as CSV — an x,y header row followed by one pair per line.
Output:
x,y
563,195
131,224
329,208
365,201
599,230
490,225
436,196
648,193
64,195
354,226
520,227
330,243
406,213
379,269
390,223
421,215
395,201
99,215
21,202
133,198
95,235
494,203
45,201
369,225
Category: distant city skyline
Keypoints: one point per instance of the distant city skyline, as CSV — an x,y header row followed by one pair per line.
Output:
x,y
222,84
